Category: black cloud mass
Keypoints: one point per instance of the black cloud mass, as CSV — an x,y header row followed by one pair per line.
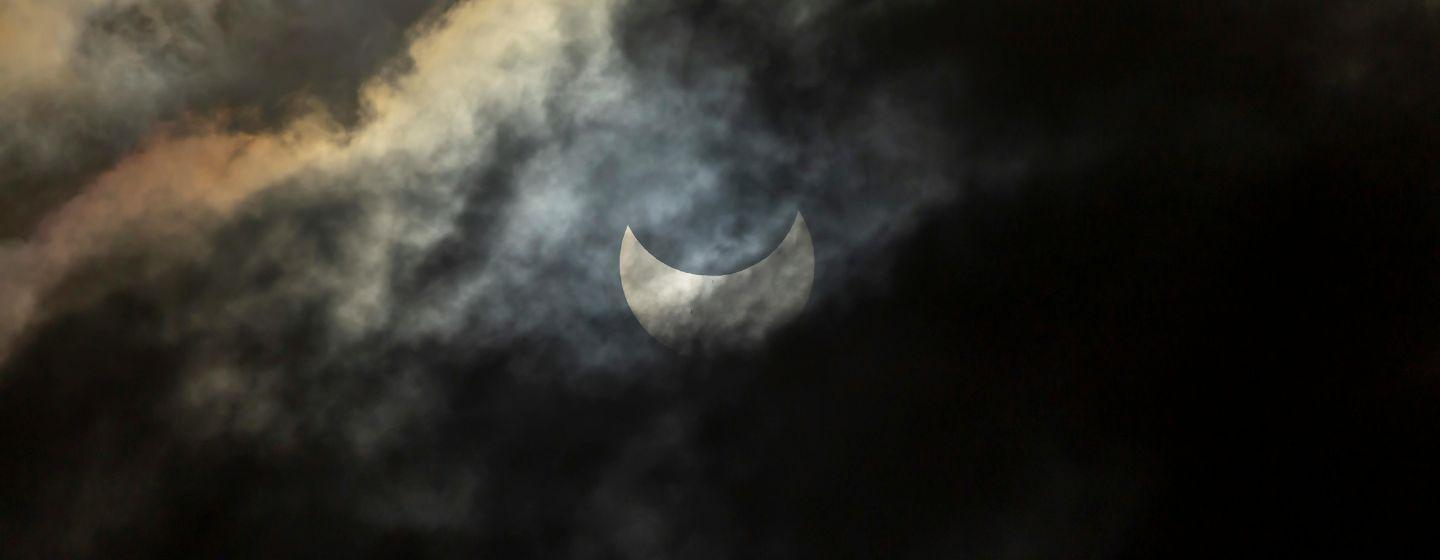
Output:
x,y
323,279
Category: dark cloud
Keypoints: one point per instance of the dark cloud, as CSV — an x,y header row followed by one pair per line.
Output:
x,y
1094,280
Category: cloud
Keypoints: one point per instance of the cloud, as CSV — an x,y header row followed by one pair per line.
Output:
x,y
332,278
86,82
422,299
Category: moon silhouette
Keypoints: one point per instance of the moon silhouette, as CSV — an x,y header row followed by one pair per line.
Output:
x,y
693,312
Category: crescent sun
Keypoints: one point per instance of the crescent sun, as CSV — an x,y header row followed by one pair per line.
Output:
x,y
688,312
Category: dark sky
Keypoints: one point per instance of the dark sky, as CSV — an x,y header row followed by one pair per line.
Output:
x,y
322,279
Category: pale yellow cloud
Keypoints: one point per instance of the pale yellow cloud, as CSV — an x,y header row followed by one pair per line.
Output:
x,y
37,43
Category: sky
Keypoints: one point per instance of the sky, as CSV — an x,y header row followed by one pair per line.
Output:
x,y
324,278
